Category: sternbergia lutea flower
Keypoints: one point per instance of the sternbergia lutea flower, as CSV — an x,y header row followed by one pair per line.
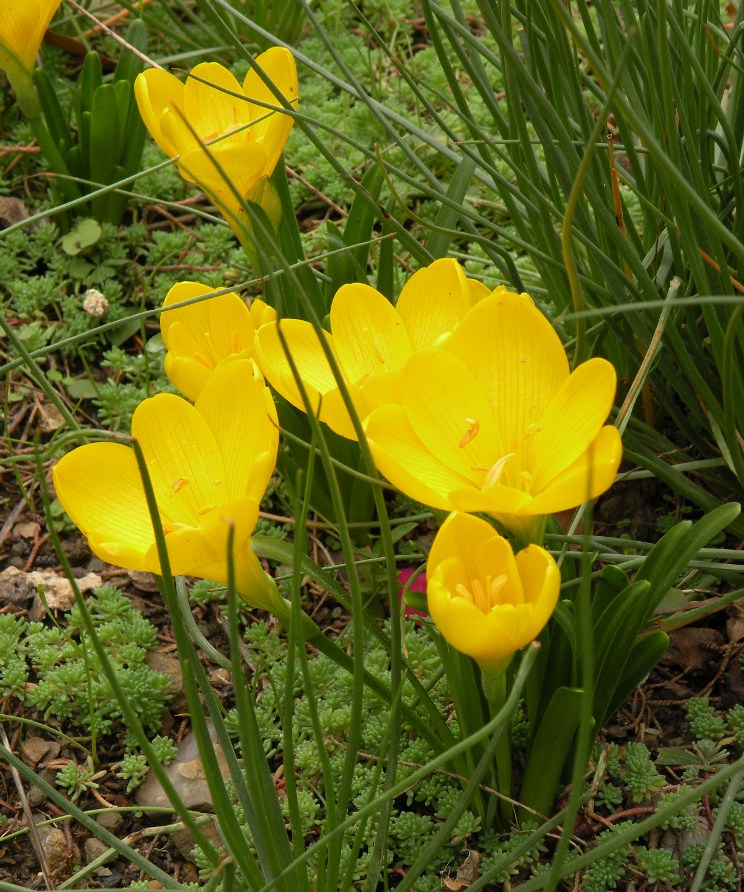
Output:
x,y
487,602
208,463
228,137
22,27
370,341
201,335
494,421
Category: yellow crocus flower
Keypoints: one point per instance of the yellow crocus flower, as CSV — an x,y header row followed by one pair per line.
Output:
x,y
495,422
209,464
22,27
487,602
226,138
201,335
370,341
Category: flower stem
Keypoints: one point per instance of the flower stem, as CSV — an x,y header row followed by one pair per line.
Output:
x,y
495,689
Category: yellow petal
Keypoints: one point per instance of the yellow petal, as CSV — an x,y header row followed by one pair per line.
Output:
x,y
448,408
368,333
272,129
261,312
182,457
488,638
225,171
99,486
495,558
239,410
402,458
515,355
213,101
22,27
208,331
156,92
541,582
495,500
307,355
460,537
589,476
434,300
187,374
570,422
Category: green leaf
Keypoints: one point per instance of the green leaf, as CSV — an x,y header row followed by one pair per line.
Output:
x,y
612,580
91,78
674,551
449,214
83,236
80,388
645,654
551,745
130,64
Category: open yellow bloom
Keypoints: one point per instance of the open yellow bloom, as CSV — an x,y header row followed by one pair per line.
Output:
x,y
370,340
226,138
22,27
487,602
204,334
209,464
495,422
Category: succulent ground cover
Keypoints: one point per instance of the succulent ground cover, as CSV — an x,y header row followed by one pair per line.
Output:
x,y
466,133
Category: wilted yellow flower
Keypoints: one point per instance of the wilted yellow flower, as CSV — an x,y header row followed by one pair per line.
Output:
x,y
204,334
22,27
226,138
370,340
487,602
495,422
209,464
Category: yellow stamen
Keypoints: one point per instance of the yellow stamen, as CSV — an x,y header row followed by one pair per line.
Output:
x,y
497,469
484,597
199,357
169,528
471,433
179,483
207,508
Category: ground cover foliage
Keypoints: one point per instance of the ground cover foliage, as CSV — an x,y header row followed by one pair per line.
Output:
x,y
158,732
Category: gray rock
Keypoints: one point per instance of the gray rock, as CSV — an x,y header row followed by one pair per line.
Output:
x,y
186,775
94,848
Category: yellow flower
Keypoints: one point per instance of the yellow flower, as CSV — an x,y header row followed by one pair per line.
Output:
x,y
485,601
200,336
371,341
209,464
495,422
243,137
22,27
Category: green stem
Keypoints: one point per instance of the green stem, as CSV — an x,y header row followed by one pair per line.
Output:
x,y
495,689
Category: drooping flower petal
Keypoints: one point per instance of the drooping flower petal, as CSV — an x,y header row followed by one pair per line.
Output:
x,y
109,505
208,465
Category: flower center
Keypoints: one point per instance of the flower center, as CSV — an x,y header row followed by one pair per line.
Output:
x,y
484,597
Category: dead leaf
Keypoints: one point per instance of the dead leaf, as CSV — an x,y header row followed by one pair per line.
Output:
x,y
735,621
694,648
466,874
29,530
